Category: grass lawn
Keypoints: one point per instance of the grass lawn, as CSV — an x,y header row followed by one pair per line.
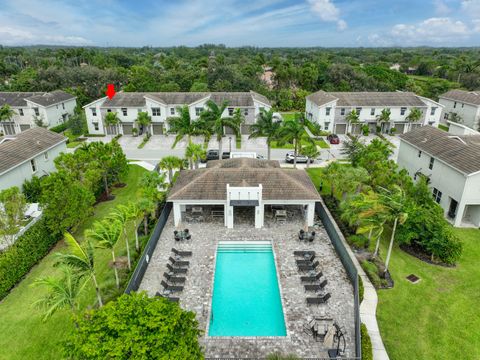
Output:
x,y
288,116
24,335
436,318
443,127
74,144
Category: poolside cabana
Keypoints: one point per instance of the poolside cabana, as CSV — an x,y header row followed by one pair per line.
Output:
x,y
226,185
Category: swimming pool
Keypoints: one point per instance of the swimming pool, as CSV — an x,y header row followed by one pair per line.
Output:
x,y
246,298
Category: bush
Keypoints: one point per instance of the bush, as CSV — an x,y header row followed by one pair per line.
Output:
x,y
135,326
365,130
59,128
359,241
32,189
393,131
28,250
367,350
371,270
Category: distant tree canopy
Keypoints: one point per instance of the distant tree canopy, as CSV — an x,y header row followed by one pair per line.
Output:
x,y
295,72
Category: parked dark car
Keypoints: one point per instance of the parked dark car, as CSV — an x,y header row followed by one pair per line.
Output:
x,y
333,139
290,158
211,155
226,155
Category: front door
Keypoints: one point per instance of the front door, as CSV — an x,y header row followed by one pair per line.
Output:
x,y
452,210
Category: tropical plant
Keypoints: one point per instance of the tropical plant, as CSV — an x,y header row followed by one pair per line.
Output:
x,y
353,117
106,234
80,258
414,115
384,116
133,214
144,120
330,173
136,324
455,118
62,292
150,195
182,125
170,163
293,131
12,212
353,148
121,215
266,126
311,151
194,153
111,119
350,180
6,113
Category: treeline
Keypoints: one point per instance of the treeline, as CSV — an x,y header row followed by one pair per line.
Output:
x,y
295,72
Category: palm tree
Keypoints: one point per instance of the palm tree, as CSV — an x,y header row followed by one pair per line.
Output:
x,y
311,151
144,120
133,213
414,115
169,163
350,180
293,131
6,113
266,126
331,173
80,258
353,148
194,153
106,233
384,116
352,118
213,116
148,206
111,120
121,215
182,125
61,292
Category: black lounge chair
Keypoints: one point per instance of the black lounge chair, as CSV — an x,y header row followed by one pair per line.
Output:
x,y
178,263
311,278
308,267
304,262
181,253
172,288
316,287
174,279
303,252
172,299
318,300
176,270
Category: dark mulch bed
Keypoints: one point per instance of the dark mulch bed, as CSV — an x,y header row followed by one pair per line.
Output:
x,y
418,252
103,197
119,185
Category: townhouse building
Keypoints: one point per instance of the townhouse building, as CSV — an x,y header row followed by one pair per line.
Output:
x,y
330,110
461,106
31,108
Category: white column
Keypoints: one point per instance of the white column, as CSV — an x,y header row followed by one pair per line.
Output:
x,y
310,214
259,215
229,216
460,213
177,214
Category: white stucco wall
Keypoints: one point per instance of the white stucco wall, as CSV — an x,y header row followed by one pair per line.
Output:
x,y
469,113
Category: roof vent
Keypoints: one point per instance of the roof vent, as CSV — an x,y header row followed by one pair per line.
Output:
x,y
458,138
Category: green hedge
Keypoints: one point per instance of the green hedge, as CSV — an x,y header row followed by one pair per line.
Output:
x,y
18,259
59,128
367,351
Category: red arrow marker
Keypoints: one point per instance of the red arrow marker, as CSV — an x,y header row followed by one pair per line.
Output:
x,y
110,91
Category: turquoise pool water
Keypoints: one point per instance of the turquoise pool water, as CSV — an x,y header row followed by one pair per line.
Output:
x,y
246,299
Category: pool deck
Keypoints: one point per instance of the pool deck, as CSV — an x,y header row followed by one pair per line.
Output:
x,y
199,285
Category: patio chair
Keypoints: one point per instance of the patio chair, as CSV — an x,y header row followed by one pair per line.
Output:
x,y
181,253
303,262
311,278
318,300
303,252
178,263
174,279
172,288
172,299
308,267
315,287
176,270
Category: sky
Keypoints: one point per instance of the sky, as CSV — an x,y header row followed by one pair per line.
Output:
x,y
264,23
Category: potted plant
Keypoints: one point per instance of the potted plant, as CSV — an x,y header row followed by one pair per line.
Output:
x,y
135,132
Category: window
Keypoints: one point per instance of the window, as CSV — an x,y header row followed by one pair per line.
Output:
x,y
462,104
419,153
245,112
95,125
124,111
430,166
32,164
454,104
230,111
403,110
327,110
198,110
172,111
372,111
358,110
342,111
20,111
139,111
445,116
94,111
437,195
327,124
63,106
432,111
45,155
109,110
156,111
37,112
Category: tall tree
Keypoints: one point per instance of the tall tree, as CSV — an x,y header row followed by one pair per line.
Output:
x,y
293,131
121,215
111,120
311,151
143,121
266,126
80,258
352,118
182,125
170,163
133,214
194,153
353,148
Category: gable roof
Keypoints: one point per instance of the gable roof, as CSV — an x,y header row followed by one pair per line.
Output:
x,y
137,99
371,98
461,152
18,99
26,145
210,183
471,97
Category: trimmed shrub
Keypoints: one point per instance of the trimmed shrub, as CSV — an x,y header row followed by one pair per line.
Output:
x,y
359,241
32,189
367,351
59,128
371,270
28,250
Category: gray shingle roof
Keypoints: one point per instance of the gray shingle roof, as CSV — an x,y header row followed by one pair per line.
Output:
x,y
461,152
137,99
27,145
210,183
17,99
471,97
372,98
